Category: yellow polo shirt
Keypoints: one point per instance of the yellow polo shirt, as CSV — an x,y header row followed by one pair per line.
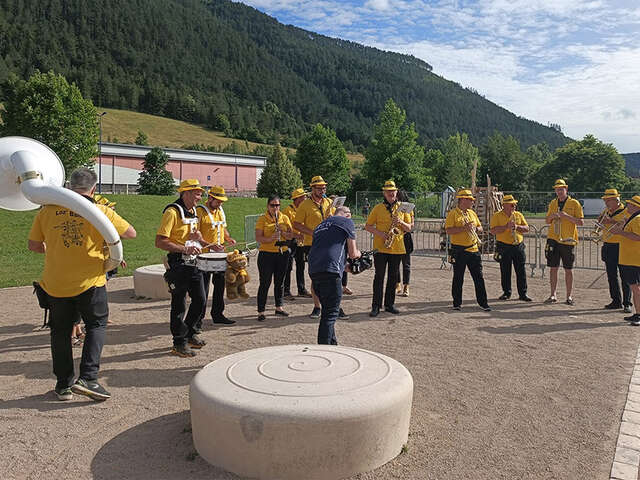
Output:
x,y
380,218
171,226
310,214
500,219
567,229
630,249
211,232
267,225
619,217
455,218
75,250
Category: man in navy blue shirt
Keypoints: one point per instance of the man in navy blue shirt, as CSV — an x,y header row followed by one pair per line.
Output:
x,y
327,260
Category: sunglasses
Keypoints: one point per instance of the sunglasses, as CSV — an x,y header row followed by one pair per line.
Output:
x,y
274,204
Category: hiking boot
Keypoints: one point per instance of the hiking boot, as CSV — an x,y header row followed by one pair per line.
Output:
x,y
315,313
64,394
196,342
405,290
91,389
182,351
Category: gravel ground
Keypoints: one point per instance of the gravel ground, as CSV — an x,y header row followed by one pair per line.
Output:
x,y
527,391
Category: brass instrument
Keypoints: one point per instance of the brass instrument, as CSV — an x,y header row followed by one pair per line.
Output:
x,y
394,231
514,233
602,232
475,238
557,228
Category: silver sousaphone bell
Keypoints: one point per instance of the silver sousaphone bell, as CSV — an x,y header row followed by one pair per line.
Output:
x,y
31,174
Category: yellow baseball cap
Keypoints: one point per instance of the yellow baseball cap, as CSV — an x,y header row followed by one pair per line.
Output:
x,y
298,192
389,185
560,183
217,192
317,181
465,193
610,193
635,201
509,199
189,184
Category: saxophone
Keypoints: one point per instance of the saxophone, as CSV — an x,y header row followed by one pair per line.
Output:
x,y
394,231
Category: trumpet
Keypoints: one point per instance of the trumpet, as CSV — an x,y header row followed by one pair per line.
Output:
x,y
394,231
473,234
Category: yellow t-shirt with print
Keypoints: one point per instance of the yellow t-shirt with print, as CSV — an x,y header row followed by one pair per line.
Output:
x,y
630,249
455,218
500,219
380,218
568,230
267,225
310,214
211,232
172,227
618,217
75,250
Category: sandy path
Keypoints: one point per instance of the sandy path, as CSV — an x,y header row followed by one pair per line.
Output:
x,y
525,391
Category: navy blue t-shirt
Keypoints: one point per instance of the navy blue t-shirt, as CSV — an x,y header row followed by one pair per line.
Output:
x,y
327,252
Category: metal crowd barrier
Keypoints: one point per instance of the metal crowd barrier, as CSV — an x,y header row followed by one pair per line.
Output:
x,y
430,241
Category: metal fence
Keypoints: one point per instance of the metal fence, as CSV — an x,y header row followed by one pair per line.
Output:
x,y
430,240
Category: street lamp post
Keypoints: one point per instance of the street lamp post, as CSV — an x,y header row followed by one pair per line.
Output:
x,y
100,115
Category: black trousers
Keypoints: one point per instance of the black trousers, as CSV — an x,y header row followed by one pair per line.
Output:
x,y
513,255
185,279
328,288
389,262
406,269
271,265
297,254
610,254
472,261
92,306
217,302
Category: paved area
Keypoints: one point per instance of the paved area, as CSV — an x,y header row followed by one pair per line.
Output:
x,y
527,391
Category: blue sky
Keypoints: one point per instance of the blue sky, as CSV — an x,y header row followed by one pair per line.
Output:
x,y
571,62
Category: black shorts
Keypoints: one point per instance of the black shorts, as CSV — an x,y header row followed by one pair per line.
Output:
x,y
630,274
555,252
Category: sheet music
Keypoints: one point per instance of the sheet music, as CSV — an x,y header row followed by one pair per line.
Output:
x,y
406,207
338,202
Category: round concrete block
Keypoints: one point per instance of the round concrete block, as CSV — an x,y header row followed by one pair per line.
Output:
x,y
149,282
301,411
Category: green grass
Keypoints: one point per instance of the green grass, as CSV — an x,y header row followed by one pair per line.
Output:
x,y
124,125
19,266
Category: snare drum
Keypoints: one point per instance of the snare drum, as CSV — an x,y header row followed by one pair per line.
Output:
x,y
212,262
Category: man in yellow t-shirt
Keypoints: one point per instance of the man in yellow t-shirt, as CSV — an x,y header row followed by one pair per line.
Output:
x,y
309,215
178,234
382,219
509,225
563,217
74,281
295,251
629,233
614,213
463,225
213,227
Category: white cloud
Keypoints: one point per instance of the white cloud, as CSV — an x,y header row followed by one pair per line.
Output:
x,y
572,62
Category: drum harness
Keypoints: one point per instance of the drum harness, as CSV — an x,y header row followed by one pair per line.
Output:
x,y
215,224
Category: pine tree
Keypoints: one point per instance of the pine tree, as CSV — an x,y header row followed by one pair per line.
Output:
x,y
154,178
280,176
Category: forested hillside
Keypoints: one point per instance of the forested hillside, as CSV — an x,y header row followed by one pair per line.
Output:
x,y
231,67
632,162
